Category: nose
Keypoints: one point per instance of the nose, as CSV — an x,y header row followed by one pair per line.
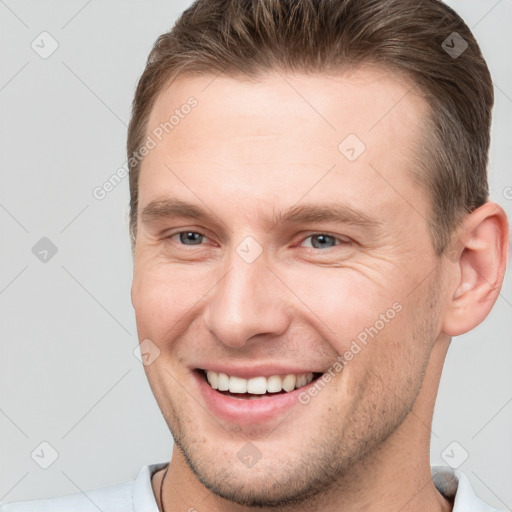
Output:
x,y
249,300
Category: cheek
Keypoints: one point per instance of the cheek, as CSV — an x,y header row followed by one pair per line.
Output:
x,y
396,354
163,294
347,304
373,322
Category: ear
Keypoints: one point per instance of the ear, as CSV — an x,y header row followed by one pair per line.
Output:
x,y
479,267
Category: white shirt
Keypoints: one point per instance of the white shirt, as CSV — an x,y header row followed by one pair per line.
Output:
x,y
137,495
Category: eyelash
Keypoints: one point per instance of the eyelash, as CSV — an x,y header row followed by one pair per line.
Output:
x,y
341,242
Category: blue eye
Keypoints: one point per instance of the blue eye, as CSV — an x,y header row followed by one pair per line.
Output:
x,y
321,241
190,237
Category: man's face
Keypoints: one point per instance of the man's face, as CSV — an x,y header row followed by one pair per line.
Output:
x,y
251,292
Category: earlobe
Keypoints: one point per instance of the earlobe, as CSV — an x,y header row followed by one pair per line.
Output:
x,y
480,268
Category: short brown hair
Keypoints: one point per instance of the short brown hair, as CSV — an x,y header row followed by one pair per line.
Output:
x,y
246,38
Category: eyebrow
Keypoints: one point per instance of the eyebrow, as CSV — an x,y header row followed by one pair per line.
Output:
x,y
169,208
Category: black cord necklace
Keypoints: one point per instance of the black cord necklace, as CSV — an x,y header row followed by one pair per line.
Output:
x,y
161,488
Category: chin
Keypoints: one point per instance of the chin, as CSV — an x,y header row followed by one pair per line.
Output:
x,y
271,484
263,490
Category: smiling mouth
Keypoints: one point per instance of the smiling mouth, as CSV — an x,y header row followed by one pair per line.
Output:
x,y
256,387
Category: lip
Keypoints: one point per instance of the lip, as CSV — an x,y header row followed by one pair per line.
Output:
x,y
245,412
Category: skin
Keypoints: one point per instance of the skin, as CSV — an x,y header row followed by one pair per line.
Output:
x,y
249,149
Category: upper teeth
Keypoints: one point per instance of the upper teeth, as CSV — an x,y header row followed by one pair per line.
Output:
x,y
257,385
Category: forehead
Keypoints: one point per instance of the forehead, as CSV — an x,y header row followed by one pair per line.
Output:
x,y
357,98
274,139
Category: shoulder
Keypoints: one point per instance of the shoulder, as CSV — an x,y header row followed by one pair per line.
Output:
x,y
114,498
127,496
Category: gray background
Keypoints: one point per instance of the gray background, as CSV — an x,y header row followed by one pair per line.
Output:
x,y
68,375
